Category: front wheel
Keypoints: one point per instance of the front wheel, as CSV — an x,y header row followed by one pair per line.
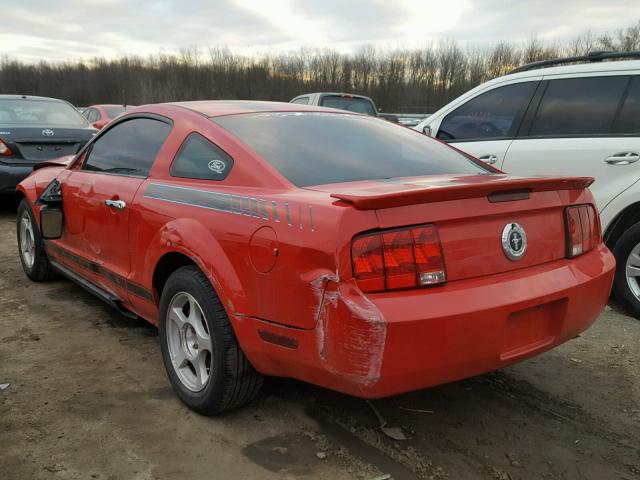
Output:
x,y
33,257
201,354
627,282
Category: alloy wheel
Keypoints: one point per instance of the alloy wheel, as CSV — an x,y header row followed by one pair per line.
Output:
x,y
189,342
27,240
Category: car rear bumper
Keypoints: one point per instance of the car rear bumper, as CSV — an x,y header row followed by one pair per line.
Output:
x,y
12,175
390,343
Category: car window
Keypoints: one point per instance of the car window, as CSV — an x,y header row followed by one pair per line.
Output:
x,y
53,113
94,115
491,115
579,106
350,104
629,119
318,148
301,100
199,158
129,148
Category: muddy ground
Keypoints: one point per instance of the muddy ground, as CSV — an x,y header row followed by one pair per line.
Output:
x,y
88,399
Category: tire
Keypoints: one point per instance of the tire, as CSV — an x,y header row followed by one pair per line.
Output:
x,y
627,287
33,256
226,380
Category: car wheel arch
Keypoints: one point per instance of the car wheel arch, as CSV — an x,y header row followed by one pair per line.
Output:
x,y
177,244
622,222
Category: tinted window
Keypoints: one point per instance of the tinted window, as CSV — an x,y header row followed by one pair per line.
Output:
x,y
491,115
301,100
579,106
42,112
199,158
350,104
629,119
129,148
319,148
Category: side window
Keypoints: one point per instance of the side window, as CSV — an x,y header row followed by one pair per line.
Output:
x,y
93,115
628,121
579,106
129,148
301,100
199,158
493,115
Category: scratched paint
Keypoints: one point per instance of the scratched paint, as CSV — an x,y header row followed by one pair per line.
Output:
x,y
350,332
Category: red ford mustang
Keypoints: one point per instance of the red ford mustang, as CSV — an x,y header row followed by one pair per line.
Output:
x,y
339,249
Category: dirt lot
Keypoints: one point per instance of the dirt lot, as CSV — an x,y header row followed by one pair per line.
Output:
x,y
88,398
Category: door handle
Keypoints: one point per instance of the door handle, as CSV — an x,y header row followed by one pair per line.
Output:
x,y
117,204
624,158
490,159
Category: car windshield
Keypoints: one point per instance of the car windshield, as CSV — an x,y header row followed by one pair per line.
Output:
x,y
313,148
114,111
40,112
350,104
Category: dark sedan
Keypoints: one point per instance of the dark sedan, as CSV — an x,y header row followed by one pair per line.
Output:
x,y
36,129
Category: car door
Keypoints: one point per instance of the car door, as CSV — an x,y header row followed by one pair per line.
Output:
x,y
582,126
486,124
97,194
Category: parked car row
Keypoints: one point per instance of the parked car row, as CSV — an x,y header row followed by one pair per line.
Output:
x,y
296,240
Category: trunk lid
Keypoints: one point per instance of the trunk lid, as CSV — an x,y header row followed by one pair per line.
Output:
x,y
471,213
35,144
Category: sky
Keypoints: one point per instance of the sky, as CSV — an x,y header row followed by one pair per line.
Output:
x,y
35,30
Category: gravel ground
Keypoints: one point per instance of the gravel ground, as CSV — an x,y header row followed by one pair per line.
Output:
x,y
88,398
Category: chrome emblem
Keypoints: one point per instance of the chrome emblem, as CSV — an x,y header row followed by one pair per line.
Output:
x,y
217,166
514,241
48,132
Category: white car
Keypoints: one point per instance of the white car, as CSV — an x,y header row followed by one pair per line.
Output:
x,y
581,119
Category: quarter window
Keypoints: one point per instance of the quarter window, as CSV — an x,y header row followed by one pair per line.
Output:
x,y
301,100
199,158
129,148
493,115
629,120
579,106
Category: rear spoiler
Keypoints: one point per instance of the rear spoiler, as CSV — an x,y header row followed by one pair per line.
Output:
x,y
456,191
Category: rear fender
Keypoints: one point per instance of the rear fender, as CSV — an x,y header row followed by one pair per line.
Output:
x,y
188,237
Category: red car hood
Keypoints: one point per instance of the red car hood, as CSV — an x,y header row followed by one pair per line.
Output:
x,y
395,192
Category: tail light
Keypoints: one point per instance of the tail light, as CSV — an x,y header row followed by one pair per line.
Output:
x,y
583,229
394,259
5,151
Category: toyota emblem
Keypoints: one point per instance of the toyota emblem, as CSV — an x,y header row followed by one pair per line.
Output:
x,y
47,132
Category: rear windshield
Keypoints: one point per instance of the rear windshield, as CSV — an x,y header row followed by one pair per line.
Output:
x,y
113,112
40,112
350,104
315,148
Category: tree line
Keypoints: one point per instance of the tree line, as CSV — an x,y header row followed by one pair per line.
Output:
x,y
401,80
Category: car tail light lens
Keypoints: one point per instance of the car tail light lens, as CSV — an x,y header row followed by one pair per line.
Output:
x,y
5,151
583,229
394,259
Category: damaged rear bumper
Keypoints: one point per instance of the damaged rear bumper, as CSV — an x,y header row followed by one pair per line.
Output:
x,y
389,343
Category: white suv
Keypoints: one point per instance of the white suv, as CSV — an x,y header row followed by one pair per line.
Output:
x,y
579,120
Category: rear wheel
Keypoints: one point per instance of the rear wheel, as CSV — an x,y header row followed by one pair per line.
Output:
x,y
204,362
31,246
627,282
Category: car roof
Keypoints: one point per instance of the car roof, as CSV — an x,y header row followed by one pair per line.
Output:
x,y
592,67
31,97
217,108
339,94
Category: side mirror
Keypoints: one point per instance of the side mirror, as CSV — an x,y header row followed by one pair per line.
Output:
x,y
51,221
51,215
427,130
